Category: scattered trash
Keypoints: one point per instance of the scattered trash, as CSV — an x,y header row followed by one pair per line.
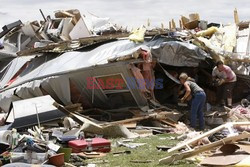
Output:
x,y
130,145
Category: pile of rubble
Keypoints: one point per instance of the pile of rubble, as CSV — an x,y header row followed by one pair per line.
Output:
x,y
71,82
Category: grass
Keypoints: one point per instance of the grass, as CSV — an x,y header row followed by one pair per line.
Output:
x,y
145,152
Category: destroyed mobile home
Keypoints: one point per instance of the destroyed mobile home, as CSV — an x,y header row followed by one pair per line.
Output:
x,y
92,77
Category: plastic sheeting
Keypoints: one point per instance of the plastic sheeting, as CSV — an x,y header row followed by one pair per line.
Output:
x,y
51,74
171,53
243,44
29,90
179,54
60,85
98,24
12,68
5,54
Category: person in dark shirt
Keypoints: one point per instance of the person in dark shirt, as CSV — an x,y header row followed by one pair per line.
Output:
x,y
198,100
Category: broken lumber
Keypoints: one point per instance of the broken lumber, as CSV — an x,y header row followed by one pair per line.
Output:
x,y
67,112
157,116
180,156
194,140
168,122
86,125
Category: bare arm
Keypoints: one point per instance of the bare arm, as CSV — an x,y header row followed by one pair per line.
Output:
x,y
188,91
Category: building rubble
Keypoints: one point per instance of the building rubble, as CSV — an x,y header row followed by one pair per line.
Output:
x,y
72,82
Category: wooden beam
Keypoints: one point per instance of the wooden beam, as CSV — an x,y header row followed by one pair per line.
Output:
x,y
173,24
180,24
156,116
67,112
168,122
195,139
236,16
83,41
133,119
179,156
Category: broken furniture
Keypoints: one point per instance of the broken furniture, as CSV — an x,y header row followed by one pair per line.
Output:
x,y
34,111
9,27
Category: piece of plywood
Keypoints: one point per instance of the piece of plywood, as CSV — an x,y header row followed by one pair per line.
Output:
x,y
67,28
130,125
224,160
80,30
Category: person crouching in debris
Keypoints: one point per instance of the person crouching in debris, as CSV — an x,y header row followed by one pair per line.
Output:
x,y
225,78
198,100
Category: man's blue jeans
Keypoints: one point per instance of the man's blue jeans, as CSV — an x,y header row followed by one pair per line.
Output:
x,y
198,103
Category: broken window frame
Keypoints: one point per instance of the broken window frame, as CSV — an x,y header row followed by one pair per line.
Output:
x,y
114,91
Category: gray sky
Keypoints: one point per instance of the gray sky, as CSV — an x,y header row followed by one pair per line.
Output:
x,y
132,13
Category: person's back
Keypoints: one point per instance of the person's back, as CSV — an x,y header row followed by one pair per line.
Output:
x,y
194,87
198,100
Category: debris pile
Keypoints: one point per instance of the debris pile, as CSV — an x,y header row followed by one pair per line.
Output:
x,y
72,84
230,152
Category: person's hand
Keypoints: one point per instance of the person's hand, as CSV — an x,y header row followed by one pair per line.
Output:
x,y
221,81
182,100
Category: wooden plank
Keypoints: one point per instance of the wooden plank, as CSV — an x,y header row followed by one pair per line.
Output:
x,y
236,16
67,112
156,116
130,125
134,119
168,123
173,24
194,140
179,156
83,41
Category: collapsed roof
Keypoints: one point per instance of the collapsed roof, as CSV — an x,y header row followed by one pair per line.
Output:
x,y
58,56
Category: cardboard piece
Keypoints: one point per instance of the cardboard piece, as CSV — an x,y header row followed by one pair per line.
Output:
x,y
244,163
192,22
223,160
